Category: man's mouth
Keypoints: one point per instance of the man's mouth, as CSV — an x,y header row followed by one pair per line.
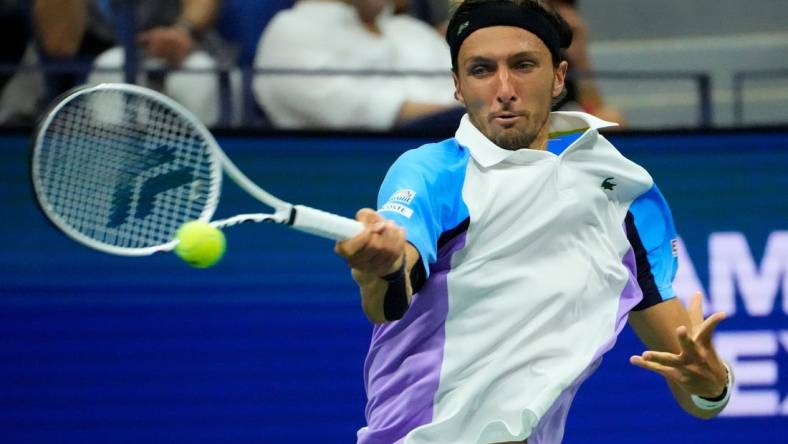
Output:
x,y
506,118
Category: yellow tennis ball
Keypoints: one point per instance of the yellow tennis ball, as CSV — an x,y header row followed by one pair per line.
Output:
x,y
200,244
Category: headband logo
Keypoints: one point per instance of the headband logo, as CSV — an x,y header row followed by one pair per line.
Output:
x,y
462,27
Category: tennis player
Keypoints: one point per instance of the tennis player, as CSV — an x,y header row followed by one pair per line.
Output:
x,y
502,263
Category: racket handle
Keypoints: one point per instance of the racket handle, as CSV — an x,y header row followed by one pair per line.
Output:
x,y
323,224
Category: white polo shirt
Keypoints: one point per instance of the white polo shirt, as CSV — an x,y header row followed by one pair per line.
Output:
x,y
531,277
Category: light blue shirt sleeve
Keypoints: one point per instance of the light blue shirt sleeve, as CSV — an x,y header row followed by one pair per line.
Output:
x,y
654,223
422,192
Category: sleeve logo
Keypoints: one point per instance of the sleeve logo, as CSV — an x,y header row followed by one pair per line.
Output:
x,y
674,247
403,197
399,201
396,208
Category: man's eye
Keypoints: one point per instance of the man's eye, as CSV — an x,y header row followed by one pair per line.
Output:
x,y
525,65
479,70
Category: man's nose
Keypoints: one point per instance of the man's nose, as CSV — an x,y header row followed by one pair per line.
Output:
x,y
506,92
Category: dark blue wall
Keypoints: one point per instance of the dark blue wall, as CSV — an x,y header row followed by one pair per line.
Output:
x,y
268,346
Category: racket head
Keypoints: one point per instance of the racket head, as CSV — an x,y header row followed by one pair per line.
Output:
x,y
120,167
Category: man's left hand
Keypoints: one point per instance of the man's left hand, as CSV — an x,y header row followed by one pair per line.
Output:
x,y
697,369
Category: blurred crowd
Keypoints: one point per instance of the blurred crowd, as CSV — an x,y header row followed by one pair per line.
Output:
x,y
291,64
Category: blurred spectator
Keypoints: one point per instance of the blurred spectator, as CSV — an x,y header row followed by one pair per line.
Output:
x,y
434,12
173,34
351,35
15,29
17,105
241,22
401,6
67,34
582,91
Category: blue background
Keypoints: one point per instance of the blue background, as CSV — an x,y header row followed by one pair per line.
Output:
x,y
268,346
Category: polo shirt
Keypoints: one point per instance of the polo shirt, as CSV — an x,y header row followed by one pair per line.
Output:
x,y
533,260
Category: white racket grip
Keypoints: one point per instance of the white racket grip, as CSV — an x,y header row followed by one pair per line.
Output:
x,y
323,224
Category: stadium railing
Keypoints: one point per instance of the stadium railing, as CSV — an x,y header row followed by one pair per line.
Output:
x,y
248,114
740,78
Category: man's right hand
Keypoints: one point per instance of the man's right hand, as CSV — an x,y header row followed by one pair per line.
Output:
x,y
374,253
377,250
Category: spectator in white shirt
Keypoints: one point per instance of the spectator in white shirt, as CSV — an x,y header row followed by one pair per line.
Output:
x,y
351,35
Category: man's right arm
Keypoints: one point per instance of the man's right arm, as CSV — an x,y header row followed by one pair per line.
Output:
x,y
381,260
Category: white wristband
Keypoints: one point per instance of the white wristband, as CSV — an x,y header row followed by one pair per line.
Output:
x,y
705,404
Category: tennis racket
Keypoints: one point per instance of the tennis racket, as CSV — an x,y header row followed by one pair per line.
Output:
x,y
119,168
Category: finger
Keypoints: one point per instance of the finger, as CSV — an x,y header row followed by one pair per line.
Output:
x,y
706,329
378,227
689,349
696,310
390,241
668,372
380,254
391,228
382,227
385,246
388,235
349,247
664,358
371,219
368,216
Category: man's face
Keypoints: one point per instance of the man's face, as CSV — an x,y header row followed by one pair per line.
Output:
x,y
506,79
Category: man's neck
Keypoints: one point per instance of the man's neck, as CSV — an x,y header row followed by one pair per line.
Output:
x,y
540,141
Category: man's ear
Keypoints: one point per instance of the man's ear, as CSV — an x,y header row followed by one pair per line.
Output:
x,y
457,93
560,78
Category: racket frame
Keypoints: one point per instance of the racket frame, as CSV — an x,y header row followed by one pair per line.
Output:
x,y
300,217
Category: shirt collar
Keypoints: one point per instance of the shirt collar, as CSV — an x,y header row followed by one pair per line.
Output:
x,y
487,153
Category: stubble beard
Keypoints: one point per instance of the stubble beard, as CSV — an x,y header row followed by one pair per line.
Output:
x,y
515,138
511,139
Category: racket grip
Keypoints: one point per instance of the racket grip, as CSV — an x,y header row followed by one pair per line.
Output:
x,y
323,224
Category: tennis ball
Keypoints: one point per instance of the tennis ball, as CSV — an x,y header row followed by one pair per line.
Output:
x,y
200,244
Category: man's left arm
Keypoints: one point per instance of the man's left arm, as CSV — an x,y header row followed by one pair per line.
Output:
x,y
680,348
678,341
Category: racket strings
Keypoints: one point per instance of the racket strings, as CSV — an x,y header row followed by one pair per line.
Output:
x,y
123,169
